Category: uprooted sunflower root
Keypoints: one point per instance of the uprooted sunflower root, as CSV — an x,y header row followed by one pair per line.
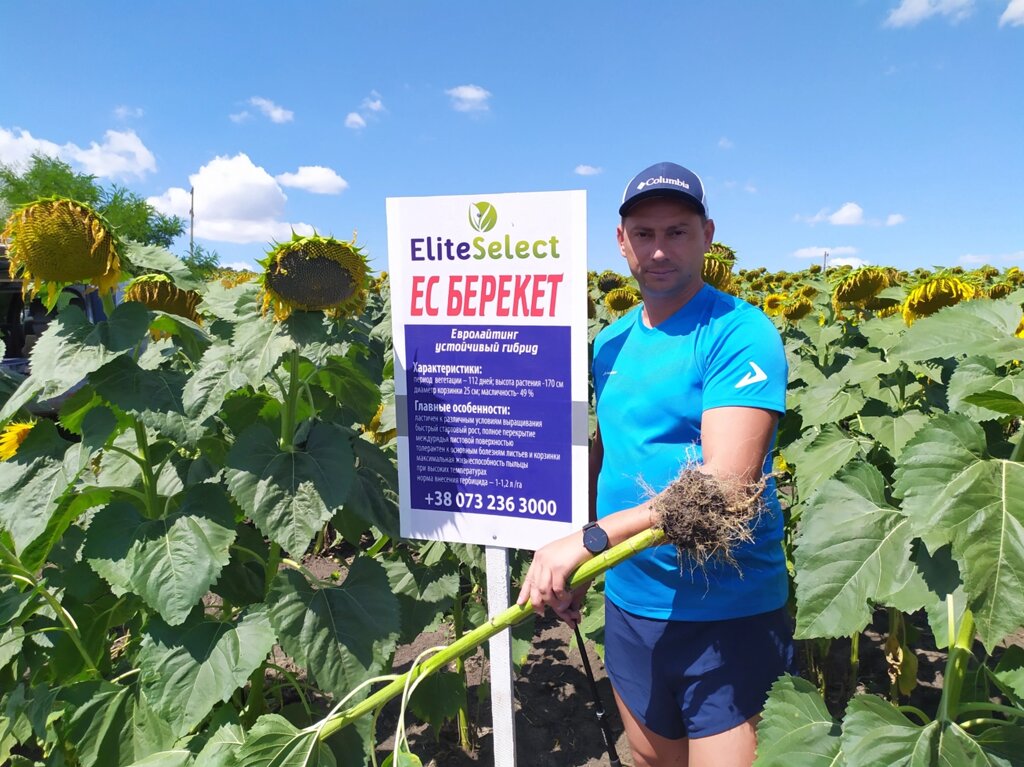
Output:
x,y
706,517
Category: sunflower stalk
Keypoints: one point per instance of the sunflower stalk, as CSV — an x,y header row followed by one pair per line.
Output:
x,y
956,670
291,403
470,641
148,478
18,573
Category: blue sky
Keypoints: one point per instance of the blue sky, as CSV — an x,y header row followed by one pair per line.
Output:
x,y
883,131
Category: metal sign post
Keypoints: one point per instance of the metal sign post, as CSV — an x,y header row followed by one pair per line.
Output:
x,y
500,645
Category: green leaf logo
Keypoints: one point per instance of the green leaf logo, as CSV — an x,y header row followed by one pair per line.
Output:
x,y
482,216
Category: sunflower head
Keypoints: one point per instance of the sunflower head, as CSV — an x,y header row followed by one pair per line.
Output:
x,y
797,309
860,285
722,251
1014,275
940,290
609,280
158,291
57,242
373,431
774,303
314,273
807,291
621,300
12,436
1000,290
717,271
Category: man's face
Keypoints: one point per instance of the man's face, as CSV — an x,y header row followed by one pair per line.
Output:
x,y
664,241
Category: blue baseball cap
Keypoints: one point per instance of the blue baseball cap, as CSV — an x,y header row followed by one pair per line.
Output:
x,y
664,179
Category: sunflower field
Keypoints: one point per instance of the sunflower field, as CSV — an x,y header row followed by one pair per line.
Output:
x,y
205,439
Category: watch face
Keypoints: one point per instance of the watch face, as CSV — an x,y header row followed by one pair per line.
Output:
x,y
595,539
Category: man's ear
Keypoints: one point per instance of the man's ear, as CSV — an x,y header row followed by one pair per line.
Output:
x,y
709,234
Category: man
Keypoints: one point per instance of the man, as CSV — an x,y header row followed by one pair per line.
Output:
x,y
692,377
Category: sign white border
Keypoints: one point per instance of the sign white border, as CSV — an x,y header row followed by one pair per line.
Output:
x,y
533,217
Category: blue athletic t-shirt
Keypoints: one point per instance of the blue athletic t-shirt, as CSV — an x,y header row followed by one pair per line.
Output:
x,y
652,386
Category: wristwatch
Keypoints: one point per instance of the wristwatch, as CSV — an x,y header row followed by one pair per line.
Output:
x,y
595,540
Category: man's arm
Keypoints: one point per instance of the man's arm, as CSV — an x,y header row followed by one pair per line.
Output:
x,y
734,440
596,458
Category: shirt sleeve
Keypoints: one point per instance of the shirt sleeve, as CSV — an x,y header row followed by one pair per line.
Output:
x,y
745,363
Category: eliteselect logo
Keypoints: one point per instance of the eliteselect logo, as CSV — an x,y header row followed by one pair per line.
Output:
x,y
662,180
482,217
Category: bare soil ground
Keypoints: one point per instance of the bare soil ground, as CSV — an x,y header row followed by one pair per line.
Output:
x,y
555,721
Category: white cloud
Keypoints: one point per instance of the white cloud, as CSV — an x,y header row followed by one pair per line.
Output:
x,y
469,98
314,178
854,262
725,143
122,153
912,12
373,102
1009,259
276,113
749,188
587,170
235,201
849,214
355,121
817,251
18,150
241,266
123,112
1013,15
239,117
895,219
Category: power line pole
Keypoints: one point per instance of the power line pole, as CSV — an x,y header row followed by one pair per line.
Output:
x,y
192,222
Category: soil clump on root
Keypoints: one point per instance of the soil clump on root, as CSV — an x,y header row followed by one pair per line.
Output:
x,y
706,517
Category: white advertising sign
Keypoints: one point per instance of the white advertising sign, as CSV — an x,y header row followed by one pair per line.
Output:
x,y
488,303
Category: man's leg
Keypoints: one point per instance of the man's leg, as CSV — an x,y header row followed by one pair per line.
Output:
x,y
732,748
648,748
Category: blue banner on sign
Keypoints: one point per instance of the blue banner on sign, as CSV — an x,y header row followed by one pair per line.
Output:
x,y
490,419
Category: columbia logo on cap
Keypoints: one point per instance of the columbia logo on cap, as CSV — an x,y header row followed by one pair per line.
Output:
x,y
662,180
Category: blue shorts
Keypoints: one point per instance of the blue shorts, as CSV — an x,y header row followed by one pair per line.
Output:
x,y
691,679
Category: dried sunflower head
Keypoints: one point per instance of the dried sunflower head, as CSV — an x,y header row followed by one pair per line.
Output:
x,y
58,242
314,273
